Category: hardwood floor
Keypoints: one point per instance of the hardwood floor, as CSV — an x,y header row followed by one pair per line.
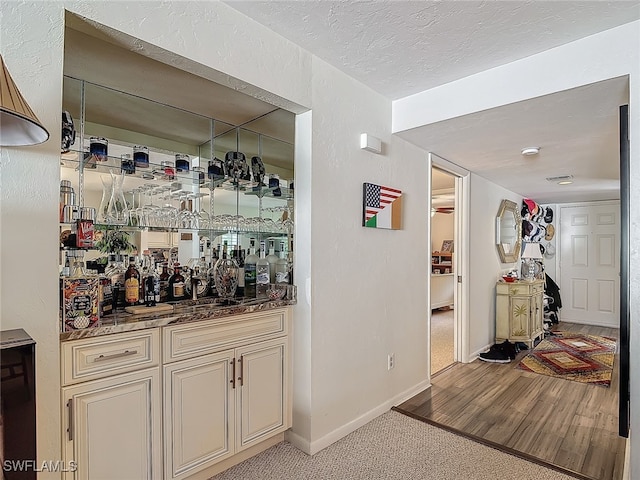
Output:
x,y
570,425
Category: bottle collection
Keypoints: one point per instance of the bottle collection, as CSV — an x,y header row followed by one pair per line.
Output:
x,y
232,273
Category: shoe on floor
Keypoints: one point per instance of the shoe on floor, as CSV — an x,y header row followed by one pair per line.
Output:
x,y
506,347
495,356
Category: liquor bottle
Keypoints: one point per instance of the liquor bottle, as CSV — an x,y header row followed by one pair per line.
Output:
x,y
262,273
272,258
176,284
151,287
132,284
250,271
200,273
164,283
282,267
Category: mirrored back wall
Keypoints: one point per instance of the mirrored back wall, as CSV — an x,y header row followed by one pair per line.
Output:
x,y
131,120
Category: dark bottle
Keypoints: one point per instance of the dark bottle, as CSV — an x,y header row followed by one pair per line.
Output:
x,y
151,288
164,283
132,284
176,285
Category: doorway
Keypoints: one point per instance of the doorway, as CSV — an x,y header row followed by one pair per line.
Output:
x,y
443,280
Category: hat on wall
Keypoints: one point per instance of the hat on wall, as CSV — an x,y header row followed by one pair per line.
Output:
x,y
548,215
550,232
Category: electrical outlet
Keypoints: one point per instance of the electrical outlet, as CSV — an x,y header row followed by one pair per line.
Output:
x,y
391,361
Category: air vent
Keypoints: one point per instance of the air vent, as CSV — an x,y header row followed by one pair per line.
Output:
x,y
560,178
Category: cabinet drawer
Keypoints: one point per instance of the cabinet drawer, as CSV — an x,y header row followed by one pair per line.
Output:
x,y
99,357
186,341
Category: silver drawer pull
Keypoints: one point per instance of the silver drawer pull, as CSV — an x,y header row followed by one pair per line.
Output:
x,y
126,353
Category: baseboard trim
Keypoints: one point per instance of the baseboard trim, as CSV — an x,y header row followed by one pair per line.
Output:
x,y
298,441
314,447
476,354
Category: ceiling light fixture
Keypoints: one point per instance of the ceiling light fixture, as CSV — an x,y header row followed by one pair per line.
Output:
x,y
527,152
561,179
565,182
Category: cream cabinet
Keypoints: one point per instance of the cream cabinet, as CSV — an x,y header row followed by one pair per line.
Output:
x,y
226,388
519,311
112,420
217,394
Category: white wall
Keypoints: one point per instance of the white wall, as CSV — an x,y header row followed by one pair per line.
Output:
x,y
369,285
485,266
29,190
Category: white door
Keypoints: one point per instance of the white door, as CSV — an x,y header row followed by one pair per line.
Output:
x,y
590,263
198,413
114,427
262,393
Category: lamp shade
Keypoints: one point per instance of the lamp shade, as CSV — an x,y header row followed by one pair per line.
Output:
x,y
19,126
532,250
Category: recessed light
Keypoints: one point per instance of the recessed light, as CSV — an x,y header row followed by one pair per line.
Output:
x,y
565,182
530,151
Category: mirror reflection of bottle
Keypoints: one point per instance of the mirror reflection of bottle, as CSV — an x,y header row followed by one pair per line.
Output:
x,y
282,267
182,162
141,156
98,148
262,273
127,165
250,264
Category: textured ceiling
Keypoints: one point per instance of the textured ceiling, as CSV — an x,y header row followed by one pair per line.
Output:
x,y
399,48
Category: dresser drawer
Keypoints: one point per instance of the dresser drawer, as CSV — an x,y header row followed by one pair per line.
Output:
x,y
209,336
99,357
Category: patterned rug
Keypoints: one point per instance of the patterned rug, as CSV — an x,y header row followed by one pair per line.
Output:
x,y
573,356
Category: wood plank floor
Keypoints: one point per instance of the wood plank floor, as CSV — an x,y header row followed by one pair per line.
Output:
x,y
570,425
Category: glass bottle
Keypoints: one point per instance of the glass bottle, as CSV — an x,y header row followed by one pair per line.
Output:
x,y
282,267
176,284
132,284
151,287
117,211
164,283
272,258
225,275
250,271
262,273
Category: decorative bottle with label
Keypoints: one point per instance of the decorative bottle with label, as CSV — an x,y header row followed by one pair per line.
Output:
x,y
262,273
272,258
176,284
132,284
250,271
282,267
225,275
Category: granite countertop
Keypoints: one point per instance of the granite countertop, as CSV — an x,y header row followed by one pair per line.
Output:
x,y
185,312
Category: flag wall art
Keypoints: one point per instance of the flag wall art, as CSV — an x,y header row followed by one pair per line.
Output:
x,y
381,207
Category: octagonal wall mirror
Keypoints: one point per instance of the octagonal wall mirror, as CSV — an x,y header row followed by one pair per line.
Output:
x,y
508,231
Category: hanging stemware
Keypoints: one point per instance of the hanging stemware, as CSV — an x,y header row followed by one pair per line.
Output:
x,y
117,210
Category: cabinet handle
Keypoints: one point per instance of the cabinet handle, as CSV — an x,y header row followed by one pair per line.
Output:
x,y
233,373
126,353
241,377
70,421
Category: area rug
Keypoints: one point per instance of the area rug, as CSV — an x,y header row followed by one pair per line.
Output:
x,y
572,356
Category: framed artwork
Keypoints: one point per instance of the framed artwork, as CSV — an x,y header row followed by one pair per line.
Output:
x,y
381,207
447,246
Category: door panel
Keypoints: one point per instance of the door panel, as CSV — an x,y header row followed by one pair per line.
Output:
x,y
589,259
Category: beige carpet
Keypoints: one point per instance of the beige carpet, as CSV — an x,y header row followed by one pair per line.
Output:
x,y
392,446
441,339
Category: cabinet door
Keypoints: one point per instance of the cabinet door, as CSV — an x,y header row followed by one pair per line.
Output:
x,y
520,316
198,413
537,315
113,427
262,393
